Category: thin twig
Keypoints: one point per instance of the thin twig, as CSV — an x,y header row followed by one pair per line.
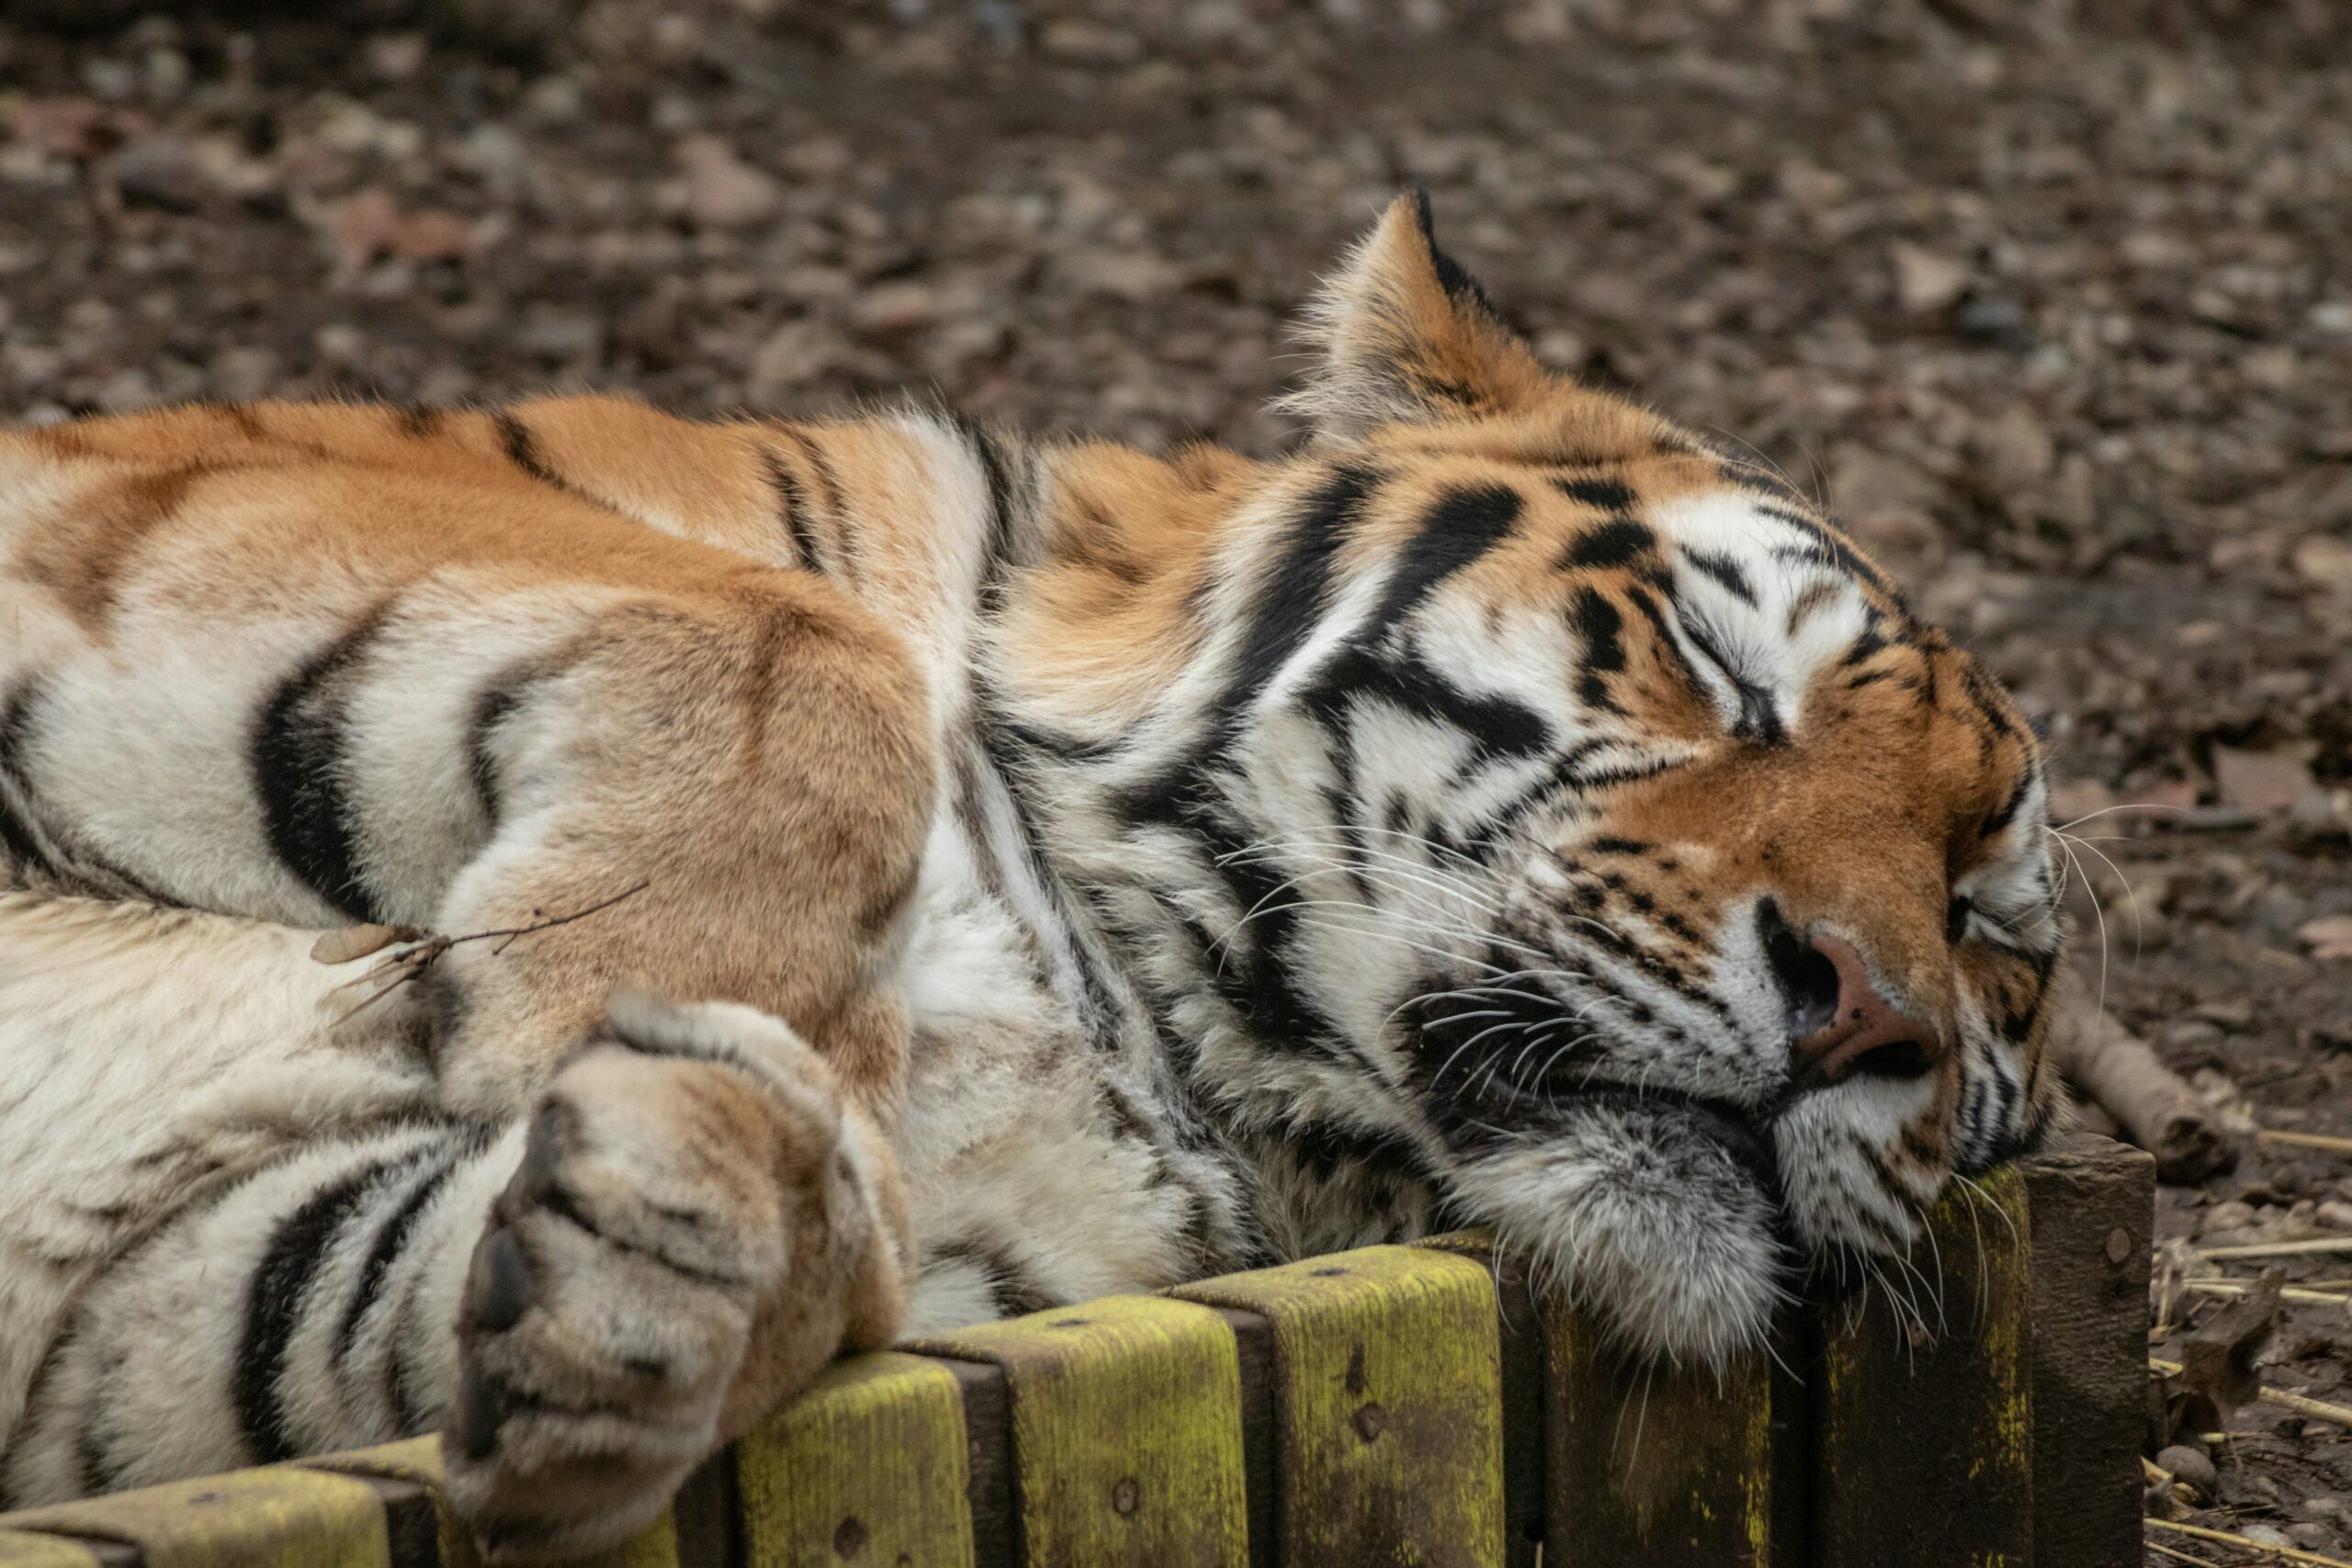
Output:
x,y
418,959
2304,1140
2239,1288
2158,1546
2280,1248
2288,1552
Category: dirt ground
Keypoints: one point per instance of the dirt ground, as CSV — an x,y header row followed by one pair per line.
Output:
x,y
2053,301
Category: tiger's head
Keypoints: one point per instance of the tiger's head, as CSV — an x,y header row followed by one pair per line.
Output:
x,y
1515,798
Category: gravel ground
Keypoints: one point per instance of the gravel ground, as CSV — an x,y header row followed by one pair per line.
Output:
x,y
2053,301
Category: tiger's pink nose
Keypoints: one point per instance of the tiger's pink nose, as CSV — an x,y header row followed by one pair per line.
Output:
x,y
1849,1027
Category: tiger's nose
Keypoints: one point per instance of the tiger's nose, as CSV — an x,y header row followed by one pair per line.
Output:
x,y
1842,1024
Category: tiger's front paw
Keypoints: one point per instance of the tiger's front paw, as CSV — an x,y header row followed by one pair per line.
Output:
x,y
698,1224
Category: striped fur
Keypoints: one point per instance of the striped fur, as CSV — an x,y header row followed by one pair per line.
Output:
x,y
1161,864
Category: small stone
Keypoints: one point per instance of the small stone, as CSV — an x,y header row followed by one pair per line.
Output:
x,y
1997,323
2191,1465
720,190
2310,1536
2326,559
2328,936
2268,1535
1925,281
2231,1216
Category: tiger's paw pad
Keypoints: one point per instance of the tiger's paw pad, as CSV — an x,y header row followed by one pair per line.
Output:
x,y
680,1246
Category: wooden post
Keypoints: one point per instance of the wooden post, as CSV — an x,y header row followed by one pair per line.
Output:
x,y
1387,1406
1127,1432
398,1471
1663,1466
21,1550
1923,1424
2093,1204
868,1466
279,1517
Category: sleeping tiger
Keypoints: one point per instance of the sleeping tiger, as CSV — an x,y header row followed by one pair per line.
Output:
x,y
549,925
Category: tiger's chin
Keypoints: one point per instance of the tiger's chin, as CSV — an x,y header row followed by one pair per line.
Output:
x,y
1651,1220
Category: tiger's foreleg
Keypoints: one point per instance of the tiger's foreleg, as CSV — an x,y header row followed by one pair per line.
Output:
x,y
589,1302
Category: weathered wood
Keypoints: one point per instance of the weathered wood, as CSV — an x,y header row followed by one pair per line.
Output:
x,y
1126,1425
1653,1464
417,1460
1387,1405
1523,1380
1924,1429
2093,1202
869,1465
20,1549
278,1518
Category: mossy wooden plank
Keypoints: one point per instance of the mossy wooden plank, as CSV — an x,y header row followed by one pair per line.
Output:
x,y
1127,1432
22,1548
1387,1405
2093,1204
1521,1342
1655,1464
1925,1417
868,1465
276,1518
418,1459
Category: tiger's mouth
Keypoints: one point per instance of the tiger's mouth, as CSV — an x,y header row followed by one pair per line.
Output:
x,y
1722,1123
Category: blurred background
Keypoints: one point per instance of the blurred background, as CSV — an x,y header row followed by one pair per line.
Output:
x,y
2052,302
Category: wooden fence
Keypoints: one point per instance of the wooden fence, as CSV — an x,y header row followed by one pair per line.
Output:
x,y
1394,1405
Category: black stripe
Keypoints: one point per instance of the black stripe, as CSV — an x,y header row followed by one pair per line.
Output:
x,y
996,551
523,450
1293,601
1612,496
491,708
1615,543
299,755
1601,628
1010,1287
274,1302
388,1241
93,1447
1462,526
416,420
1724,570
2009,810
16,830
791,506
828,481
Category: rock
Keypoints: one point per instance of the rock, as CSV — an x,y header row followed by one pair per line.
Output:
x,y
1925,281
1998,323
2014,451
2325,558
2312,1537
719,190
155,170
2328,936
2231,1215
2191,1465
2268,1535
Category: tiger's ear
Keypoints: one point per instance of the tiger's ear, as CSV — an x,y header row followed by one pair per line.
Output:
x,y
1407,334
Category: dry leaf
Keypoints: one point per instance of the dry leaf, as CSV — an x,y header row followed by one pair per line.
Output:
x,y
2259,781
346,942
2218,1359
